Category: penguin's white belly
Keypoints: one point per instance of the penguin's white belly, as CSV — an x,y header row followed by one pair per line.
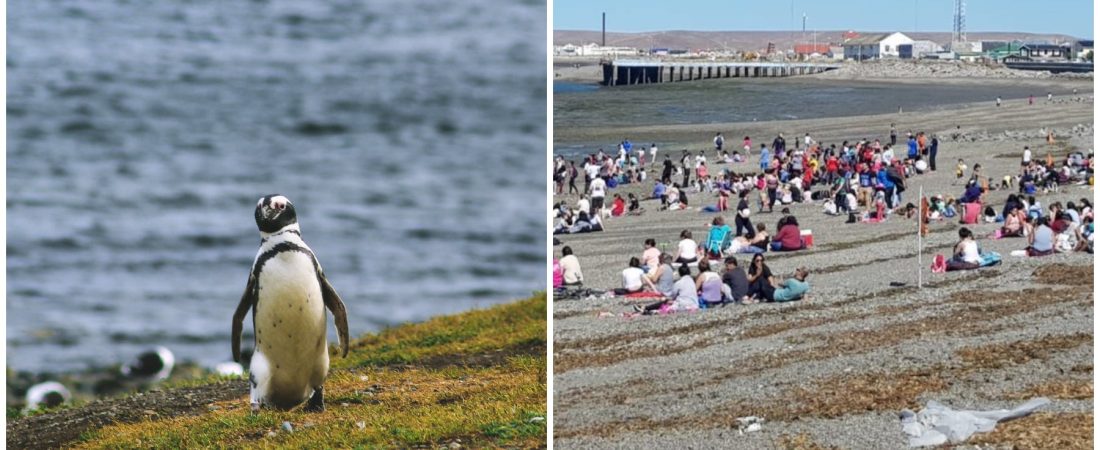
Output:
x,y
290,330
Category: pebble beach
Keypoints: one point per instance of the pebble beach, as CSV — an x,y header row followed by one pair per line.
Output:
x,y
835,370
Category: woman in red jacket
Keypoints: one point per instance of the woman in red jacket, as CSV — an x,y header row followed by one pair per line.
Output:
x,y
789,237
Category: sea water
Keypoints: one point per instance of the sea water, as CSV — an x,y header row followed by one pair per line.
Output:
x,y
409,135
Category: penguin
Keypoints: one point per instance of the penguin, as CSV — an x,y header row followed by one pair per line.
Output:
x,y
287,293
153,365
48,395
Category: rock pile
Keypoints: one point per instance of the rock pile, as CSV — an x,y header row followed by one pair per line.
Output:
x,y
936,69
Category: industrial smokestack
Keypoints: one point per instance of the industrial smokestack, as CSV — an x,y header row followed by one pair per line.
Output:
x,y
603,34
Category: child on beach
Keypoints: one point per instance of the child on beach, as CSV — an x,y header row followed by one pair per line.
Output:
x,y
960,169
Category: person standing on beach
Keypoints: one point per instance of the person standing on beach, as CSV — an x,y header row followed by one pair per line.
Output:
x,y
591,171
779,146
741,220
932,150
1031,100
653,153
765,158
998,100
1050,97
573,177
718,141
666,173
597,190
747,145
893,135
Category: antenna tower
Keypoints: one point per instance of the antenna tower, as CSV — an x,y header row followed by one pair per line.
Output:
x,y
959,30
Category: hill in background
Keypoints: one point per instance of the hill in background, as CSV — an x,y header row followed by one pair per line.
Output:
x,y
758,40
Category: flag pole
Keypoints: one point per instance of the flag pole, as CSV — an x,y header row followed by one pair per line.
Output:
x,y
920,242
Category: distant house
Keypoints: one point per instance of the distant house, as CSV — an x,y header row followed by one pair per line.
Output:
x,y
1046,51
918,49
875,46
1082,50
810,49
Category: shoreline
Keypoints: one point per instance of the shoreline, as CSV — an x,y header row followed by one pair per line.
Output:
x,y
970,116
587,70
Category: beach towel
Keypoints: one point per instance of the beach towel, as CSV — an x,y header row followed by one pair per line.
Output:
x,y
643,295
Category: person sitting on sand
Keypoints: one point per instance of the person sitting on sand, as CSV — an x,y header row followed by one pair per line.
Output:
x,y
672,198
950,208
659,191
634,279
709,284
972,194
789,237
759,240
718,237
1041,240
760,278
618,206
791,289
633,208
570,268
1084,235
683,296
688,249
1014,222
966,254
664,276
650,256
735,280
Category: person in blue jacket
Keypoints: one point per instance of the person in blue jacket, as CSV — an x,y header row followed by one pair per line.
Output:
x,y
913,148
888,186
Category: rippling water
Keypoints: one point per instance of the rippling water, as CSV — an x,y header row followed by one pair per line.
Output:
x,y
747,100
409,134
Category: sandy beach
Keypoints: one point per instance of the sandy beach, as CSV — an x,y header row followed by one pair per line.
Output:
x,y
837,369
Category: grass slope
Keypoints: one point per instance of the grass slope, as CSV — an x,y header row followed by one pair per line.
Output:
x,y
473,379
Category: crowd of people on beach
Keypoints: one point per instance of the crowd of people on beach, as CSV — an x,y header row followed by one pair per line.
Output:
x,y
867,180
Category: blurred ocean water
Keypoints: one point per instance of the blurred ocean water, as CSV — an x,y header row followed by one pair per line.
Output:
x,y
410,136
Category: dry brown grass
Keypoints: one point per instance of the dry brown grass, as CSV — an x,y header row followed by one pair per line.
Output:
x,y
1060,389
1064,274
1041,431
801,441
996,356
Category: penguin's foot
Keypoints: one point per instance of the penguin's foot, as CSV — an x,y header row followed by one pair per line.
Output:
x,y
317,401
255,408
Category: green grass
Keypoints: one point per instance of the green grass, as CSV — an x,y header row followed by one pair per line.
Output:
x,y
405,386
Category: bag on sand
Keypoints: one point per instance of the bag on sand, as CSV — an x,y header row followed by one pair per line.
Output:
x,y
989,259
939,264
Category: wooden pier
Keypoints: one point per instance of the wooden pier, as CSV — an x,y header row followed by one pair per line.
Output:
x,y
629,72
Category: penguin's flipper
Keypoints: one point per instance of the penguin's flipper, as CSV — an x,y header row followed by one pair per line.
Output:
x,y
248,299
339,313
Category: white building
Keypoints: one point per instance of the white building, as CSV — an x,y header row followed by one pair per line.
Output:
x,y
594,49
875,46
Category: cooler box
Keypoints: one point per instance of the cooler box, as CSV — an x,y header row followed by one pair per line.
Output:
x,y
807,238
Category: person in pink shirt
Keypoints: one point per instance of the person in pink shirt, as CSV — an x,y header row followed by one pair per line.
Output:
x,y
651,256
559,279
